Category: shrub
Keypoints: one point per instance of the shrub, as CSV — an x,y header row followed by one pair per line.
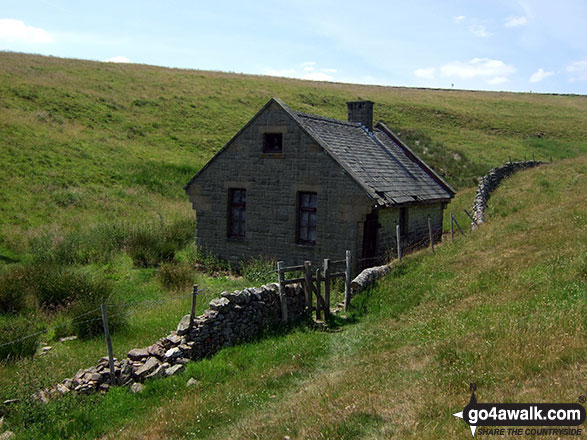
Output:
x,y
11,330
88,310
176,276
13,289
203,261
151,244
55,285
259,270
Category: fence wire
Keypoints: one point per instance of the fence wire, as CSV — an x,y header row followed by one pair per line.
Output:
x,y
143,305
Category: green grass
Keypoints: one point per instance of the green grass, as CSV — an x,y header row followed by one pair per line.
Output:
x,y
94,158
505,307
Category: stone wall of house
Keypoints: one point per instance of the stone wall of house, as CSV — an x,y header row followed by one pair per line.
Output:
x,y
417,220
231,319
272,183
489,183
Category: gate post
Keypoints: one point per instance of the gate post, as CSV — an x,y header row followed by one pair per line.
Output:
x,y
282,296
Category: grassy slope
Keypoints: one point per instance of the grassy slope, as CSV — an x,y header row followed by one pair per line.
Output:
x,y
85,142
505,307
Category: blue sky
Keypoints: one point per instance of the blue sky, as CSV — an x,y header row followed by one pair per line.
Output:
x,y
512,45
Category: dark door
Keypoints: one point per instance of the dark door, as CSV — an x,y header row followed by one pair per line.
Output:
x,y
370,239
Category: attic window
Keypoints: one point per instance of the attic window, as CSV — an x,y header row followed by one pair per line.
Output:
x,y
272,142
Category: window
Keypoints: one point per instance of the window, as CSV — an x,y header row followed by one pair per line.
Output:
x,y
237,213
272,142
307,205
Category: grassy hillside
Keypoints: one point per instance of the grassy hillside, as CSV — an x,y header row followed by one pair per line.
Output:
x,y
505,307
85,142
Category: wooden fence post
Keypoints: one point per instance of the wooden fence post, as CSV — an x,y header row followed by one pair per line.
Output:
x,y
327,288
308,284
109,345
458,226
399,248
193,311
282,295
452,234
347,282
318,281
430,234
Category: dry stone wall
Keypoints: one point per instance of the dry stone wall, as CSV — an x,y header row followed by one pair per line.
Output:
x,y
231,319
489,183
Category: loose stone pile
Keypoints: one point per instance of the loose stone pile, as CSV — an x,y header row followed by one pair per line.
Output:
x,y
490,181
231,319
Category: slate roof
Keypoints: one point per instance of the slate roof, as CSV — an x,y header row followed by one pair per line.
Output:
x,y
378,160
386,168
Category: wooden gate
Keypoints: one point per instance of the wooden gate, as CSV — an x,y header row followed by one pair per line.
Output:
x,y
312,283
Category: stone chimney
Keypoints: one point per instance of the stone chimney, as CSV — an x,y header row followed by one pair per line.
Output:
x,y
362,112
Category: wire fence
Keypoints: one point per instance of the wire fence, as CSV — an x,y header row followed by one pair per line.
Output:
x,y
144,305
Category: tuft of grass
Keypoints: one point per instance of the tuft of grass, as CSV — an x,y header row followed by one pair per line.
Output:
x,y
259,270
87,310
176,276
12,344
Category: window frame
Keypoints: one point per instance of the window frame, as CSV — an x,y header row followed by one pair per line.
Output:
x,y
241,206
273,150
312,211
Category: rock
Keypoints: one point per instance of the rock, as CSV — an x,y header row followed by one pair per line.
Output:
x,y
104,387
138,354
1,421
219,304
7,435
68,338
137,388
173,353
11,401
62,389
174,370
192,382
92,377
158,372
157,350
184,325
151,365
181,360
41,396
125,375
175,339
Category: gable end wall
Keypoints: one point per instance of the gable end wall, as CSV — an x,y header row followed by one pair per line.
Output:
x,y
272,182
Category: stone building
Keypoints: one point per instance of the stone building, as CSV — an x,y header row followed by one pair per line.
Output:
x,y
296,187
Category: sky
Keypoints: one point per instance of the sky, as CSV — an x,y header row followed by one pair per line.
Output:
x,y
510,45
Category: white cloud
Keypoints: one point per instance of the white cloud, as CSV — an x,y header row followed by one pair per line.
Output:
x,y
459,18
578,70
479,31
515,21
493,71
425,73
539,75
117,59
306,70
15,30
477,67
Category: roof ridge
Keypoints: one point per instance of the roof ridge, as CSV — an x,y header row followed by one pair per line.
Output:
x,y
326,119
